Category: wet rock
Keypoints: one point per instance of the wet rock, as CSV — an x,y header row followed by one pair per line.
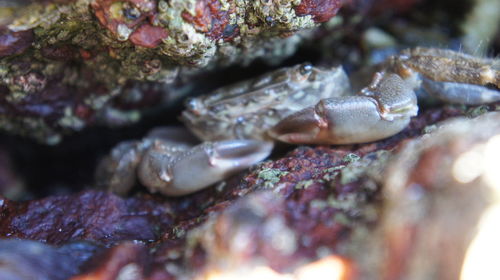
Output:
x,y
25,259
95,216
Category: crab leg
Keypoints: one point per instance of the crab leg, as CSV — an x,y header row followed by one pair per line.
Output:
x,y
178,172
460,93
380,110
446,66
450,76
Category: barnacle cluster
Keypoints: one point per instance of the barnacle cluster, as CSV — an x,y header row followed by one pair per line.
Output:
x,y
82,52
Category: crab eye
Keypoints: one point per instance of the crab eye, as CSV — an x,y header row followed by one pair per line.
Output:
x,y
305,69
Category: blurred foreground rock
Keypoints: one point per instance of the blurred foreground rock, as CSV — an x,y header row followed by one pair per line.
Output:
x,y
441,209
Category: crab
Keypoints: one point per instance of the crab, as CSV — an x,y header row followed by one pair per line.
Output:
x,y
302,104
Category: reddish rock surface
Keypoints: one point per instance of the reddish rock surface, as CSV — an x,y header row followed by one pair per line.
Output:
x,y
320,10
148,36
94,216
209,18
139,11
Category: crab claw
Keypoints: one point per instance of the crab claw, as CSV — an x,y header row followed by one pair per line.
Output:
x,y
381,110
179,172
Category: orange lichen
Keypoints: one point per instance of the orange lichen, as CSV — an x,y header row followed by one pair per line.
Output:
x,y
209,18
134,16
320,10
148,36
